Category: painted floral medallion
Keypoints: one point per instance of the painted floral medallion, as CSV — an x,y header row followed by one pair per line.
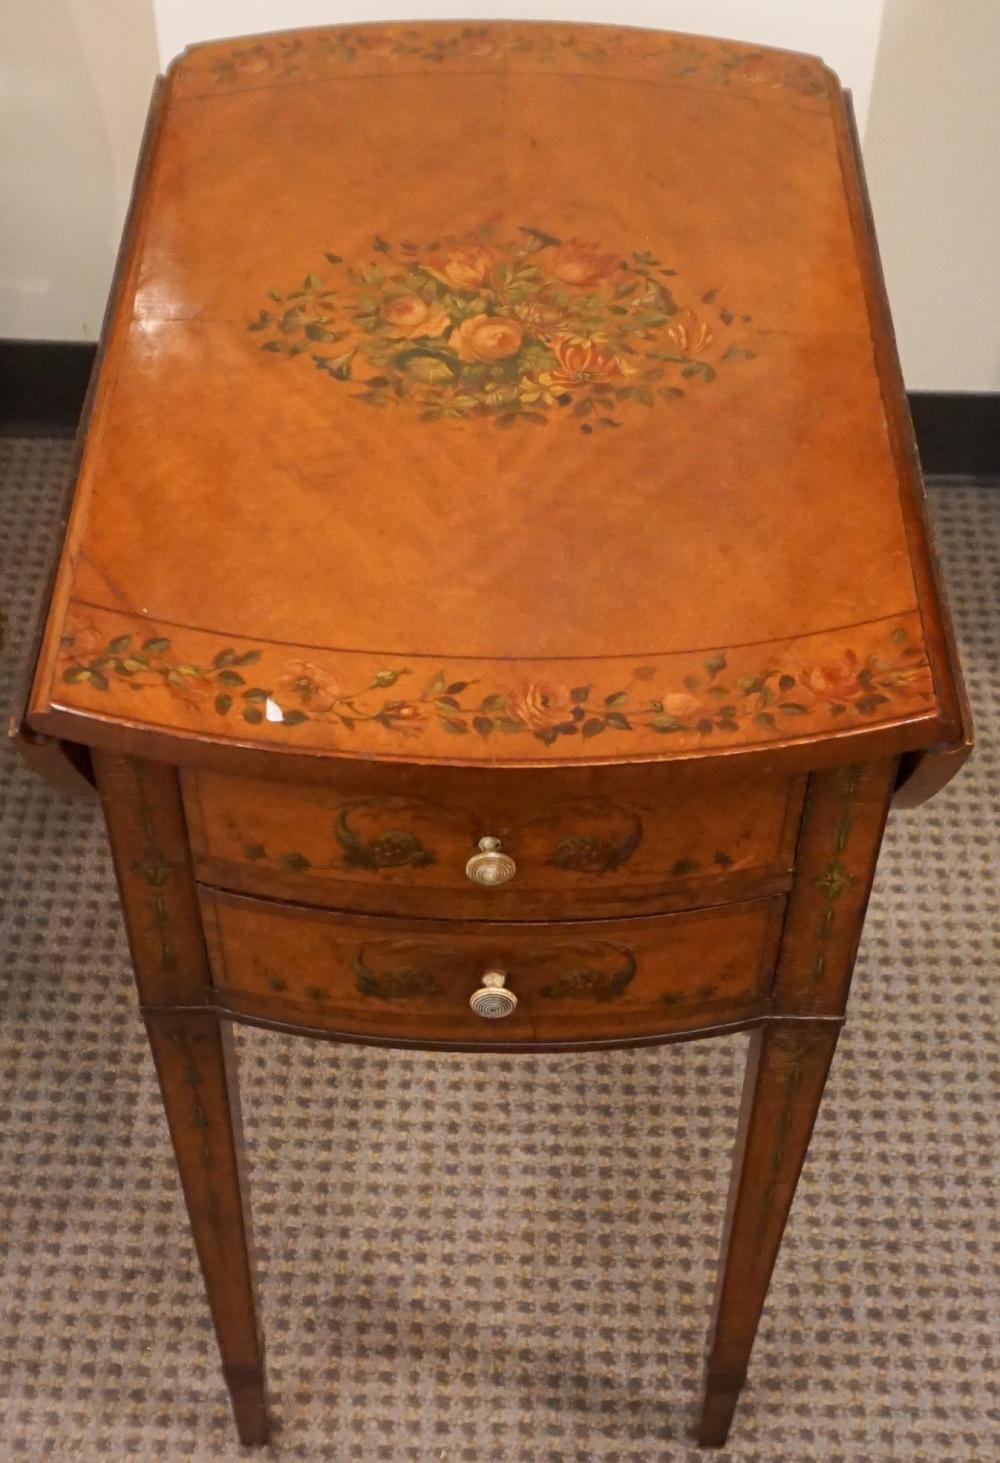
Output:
x,y
516,330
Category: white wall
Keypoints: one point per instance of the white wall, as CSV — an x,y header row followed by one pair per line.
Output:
x,y
932,155
844,32
75,79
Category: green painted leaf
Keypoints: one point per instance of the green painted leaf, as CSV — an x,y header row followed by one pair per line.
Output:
x,y
483,725
231,678
223,703
793,708
120,643
617,698
593,727
156,646
539,239
294,718
865,704
253,715
254,851
428,367
296,861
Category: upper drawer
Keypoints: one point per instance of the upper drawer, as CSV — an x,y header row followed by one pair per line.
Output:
x,y
587,842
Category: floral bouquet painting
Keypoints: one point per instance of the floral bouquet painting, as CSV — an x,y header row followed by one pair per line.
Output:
x,y
514,331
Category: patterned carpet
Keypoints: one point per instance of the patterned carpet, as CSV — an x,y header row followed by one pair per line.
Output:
x,y
437,1286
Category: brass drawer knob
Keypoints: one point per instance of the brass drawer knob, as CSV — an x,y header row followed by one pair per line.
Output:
x,y
489,866
492,1000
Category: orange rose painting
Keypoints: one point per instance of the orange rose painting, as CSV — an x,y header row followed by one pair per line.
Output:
x,y
517,331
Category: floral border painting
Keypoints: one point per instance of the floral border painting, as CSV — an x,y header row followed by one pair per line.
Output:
x,y
352,701
511,330
332,51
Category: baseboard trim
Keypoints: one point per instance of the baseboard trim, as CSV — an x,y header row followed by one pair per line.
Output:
x,y
42,386
43,383
958,434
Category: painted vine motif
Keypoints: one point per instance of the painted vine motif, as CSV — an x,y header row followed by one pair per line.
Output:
x,y
390,848
510,331
681,998
592,983
672,58
835,879
593,853
708,702
154,869
402,982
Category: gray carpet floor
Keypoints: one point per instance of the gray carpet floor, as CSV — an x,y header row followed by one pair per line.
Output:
x,y
433,1290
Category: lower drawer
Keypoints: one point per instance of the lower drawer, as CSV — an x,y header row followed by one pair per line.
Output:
x,y
390,979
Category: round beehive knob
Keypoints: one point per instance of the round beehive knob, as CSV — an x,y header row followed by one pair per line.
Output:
x,y
492,999
489,866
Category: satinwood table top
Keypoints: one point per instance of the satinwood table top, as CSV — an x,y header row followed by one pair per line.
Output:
x,y
503,393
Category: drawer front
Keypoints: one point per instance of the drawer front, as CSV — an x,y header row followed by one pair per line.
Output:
x,y
606,841
393,979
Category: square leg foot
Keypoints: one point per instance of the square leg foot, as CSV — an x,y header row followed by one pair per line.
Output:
x,y
248,1393
722,1392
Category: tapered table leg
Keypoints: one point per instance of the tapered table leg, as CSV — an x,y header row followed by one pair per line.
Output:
x,y
196,1065
786,1072
194,1057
